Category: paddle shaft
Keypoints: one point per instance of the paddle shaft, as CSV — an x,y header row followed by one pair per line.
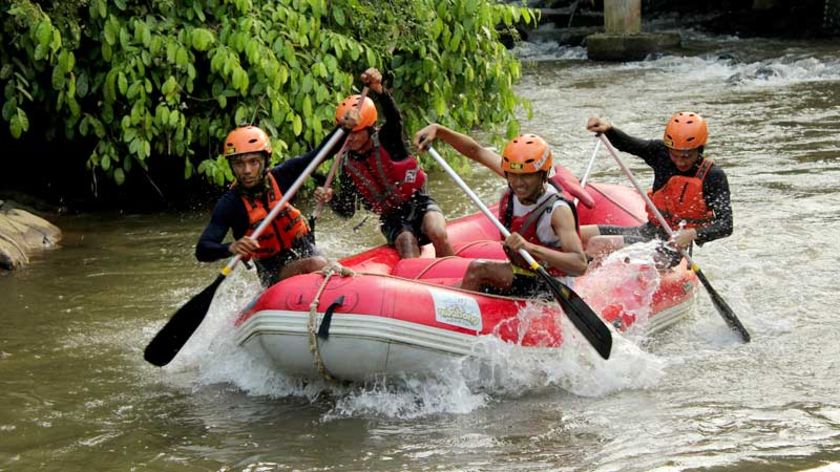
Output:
x,y
336,163
591,163
330,176
588,169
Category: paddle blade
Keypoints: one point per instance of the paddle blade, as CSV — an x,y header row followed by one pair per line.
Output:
x,y
723,308
581,315
177,331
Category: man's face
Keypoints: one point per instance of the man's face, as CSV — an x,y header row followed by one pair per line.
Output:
x,y
526,187
247,168
684,160
358,140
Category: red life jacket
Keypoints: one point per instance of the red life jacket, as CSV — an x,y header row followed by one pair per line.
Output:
x,y
385,184
526,225
681,199
283,230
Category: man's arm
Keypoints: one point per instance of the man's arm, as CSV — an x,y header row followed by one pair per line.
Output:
x,y
717,196
288,171
391,133
462,143
650,150
210,247
571,259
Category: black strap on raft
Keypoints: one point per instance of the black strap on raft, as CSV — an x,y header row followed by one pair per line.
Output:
x,y
324,329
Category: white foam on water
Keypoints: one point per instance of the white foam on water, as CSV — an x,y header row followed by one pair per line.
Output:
x,y
626,278
407,397
783,70
211,356
547,51
509,370
629,278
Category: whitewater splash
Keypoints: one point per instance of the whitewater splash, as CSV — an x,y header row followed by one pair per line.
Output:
x,y
629,275
734,69
497,370
547,51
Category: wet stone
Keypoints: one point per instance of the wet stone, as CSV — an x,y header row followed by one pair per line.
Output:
x,y
22,234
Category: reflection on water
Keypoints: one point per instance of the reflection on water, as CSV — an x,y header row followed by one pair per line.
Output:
x,y
77,395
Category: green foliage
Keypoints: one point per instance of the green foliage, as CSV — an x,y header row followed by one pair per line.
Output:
x,y
172,77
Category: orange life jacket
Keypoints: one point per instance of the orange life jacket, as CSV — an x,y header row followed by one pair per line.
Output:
x,y
526,225
385,184
283,230
681,199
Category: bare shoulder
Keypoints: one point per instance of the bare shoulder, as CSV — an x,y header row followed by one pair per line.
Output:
x,y
562,213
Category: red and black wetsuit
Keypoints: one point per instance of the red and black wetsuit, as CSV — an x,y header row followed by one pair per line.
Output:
x,y
408,214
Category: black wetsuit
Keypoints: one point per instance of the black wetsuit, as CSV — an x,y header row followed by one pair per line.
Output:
x,y
230,214
410,215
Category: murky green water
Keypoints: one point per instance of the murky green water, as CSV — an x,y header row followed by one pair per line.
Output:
x,y
76,394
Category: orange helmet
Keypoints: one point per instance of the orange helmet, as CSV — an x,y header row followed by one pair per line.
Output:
x,y
526,154
686,130
367,113
246,139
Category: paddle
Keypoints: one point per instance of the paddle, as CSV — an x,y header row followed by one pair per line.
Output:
x,y
333,169
581,315
718,301
588,169
172,337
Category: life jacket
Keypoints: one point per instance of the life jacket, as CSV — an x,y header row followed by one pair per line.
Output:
x,y
681,199
526,225
385,184
283,230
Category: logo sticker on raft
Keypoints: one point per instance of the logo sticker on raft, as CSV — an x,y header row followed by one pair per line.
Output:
x,y
456,310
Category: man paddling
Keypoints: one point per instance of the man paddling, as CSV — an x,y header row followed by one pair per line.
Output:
x,y
380,172
689,189
540,220
284,249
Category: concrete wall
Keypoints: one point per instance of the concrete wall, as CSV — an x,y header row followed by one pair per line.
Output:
x,y
622,16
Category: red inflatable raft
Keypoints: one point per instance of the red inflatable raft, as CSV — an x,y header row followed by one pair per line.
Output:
x,y
403,317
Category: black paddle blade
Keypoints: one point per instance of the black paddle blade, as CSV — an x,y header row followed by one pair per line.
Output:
x,y
590,325
177,331
723,308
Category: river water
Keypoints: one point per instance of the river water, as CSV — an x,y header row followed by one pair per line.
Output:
x,y
76,394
